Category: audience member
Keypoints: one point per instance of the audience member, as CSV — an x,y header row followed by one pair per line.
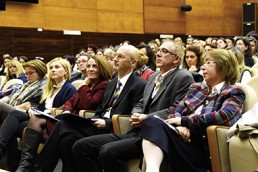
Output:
x,y
215,101
244,71
89,96
120,96
23,59
14,71
56,92
81,64
141,69
244,45
111,152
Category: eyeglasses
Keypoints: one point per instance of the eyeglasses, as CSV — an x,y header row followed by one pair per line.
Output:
x,y
29,73
208,62
81,61
166,51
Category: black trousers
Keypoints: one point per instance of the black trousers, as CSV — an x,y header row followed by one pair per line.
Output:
x,y
12,127
106,151
60,142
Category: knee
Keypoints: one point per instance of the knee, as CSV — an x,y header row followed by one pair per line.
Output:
x,y
81,148
107,153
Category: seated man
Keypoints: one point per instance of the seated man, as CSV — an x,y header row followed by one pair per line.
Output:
x,y
120,96
111,152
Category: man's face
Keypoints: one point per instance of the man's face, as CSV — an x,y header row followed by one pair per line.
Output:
x,y
123,62
166,57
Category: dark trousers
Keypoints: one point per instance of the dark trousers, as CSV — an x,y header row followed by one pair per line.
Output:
x,y
11,128
60,142
106,151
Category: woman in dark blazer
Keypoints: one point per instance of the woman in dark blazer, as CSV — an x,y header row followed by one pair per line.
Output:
x,y
56,92
215,101
88,97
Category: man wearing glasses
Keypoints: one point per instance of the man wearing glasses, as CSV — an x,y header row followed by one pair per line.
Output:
x,y
163,89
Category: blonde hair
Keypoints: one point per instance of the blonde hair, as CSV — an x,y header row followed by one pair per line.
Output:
x,y
49,89
19,70
142,60
226,64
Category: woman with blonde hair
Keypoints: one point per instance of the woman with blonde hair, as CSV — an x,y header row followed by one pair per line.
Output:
x,y
89,96
56,92
245,72
14,71
141,69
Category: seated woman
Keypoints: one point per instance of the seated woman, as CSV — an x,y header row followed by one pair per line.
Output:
x,y
192,62
30,93
57,91
81,64
14,71
141,69
245,72
215,101
88,97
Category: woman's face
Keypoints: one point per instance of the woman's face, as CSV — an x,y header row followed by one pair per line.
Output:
x,y
6,62
210,74
240,44
221,43
22,61
252,45
82,62
229,43
92,70
31,74
57,71
12,70
190,59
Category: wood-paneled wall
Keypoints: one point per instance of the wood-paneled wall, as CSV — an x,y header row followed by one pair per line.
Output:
x,y
114,16
50,44
207,18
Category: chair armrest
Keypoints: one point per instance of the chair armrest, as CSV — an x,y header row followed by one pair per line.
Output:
x,y
87,113
219,148
56,111
121,124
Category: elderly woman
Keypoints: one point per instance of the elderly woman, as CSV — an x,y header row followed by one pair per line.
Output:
x,y
141,69
215,101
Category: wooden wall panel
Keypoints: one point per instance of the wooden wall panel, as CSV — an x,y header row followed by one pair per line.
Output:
x,y
220,18
164,17
58,18
125,22
79,4
135,6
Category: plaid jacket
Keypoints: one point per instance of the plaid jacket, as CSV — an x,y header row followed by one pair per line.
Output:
x,y
224,108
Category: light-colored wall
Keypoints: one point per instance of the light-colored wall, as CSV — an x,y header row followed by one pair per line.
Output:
x,y
208,17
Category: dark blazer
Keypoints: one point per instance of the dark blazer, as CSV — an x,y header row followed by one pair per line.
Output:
x,y
172,90
85,98
66,92
130,95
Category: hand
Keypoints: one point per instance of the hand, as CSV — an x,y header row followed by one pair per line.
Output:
x,y
87,81
193,68
184,133
176,121
99,123
136,119
30,112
